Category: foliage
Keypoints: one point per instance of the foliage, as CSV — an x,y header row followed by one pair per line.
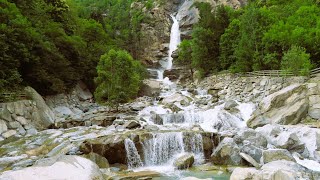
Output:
x,y
255,37
185,52
296,60
119,77
52,44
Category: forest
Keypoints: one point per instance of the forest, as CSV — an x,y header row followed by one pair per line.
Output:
x,y
52,44
264,35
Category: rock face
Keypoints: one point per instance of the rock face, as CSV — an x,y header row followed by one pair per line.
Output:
x,y
184,162
287,106
188,15
45,115
227,153
24,116
66,167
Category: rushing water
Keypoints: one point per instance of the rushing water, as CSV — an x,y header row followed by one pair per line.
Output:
x,y
133,157
174,40
162,147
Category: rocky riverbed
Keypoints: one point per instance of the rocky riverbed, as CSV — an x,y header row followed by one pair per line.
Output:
x,y
222,127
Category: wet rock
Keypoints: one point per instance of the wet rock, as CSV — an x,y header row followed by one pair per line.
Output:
x,y
66,167
101,161
230,104
139,175
150,88
227,153
276,154
112,148
249,159
184,162
131,124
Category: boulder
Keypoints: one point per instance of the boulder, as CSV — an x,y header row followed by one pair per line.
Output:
x,y
150,88
43,117
184,162
276,154
177,97
131,124
287,106
253,151
101,161
66,167
83,92
227,153
282,170
243,173
230,104
290,141
254,137
250,160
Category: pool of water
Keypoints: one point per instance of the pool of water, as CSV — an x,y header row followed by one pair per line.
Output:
x,y
214,175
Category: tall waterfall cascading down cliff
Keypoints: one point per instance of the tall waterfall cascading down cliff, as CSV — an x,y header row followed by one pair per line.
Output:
x,y
174,42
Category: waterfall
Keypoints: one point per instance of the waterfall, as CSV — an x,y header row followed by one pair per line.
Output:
x,y
133,157
162,147
174,40
194,144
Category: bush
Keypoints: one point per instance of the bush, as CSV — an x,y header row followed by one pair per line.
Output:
x,y
297,61
119,77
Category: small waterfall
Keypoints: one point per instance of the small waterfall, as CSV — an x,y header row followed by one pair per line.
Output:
x,y
133,157
162,147
194,144
174,40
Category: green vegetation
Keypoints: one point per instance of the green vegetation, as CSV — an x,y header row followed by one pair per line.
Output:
x,y
119,77
296,60
52,44
264,35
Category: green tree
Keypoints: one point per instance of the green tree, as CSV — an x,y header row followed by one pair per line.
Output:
x,y
185,55
119,77
296,60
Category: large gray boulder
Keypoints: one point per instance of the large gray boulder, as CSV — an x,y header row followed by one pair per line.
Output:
x,y
184,162
150,88
66,167
287,106
277,154
227,153
255,138
43,117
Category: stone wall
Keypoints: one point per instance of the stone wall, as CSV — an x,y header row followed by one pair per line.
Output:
x,y
25,116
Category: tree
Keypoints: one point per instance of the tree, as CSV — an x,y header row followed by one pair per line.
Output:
x,y
185,57
119,77
296,60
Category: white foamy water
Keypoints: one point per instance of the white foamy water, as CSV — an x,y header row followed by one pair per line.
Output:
x,y
133,157
174,40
